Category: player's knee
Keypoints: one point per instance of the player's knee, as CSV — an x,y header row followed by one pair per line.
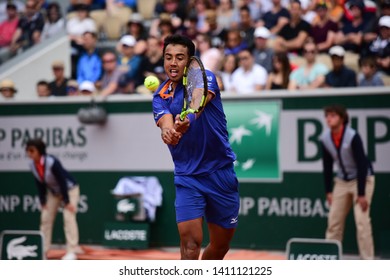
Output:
x,y
190,249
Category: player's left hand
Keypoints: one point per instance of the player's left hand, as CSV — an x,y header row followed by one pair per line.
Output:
x,y
362,201
181,126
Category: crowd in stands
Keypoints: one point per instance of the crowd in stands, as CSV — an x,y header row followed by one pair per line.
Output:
x,y
251,45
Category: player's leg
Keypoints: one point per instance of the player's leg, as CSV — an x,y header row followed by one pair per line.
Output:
x,y
341,204
219,242
48,216
363,223
191,236
70,222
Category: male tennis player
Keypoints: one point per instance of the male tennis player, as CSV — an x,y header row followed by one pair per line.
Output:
x,y
205,181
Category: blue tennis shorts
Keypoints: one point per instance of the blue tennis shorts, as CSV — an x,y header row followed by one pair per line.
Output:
x,y
214,196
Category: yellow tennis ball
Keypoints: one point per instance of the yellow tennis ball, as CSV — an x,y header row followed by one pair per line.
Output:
x,y
151,83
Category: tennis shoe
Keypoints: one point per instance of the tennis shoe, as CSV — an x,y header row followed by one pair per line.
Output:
x,y
69,256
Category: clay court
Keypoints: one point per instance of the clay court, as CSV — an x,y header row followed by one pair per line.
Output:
x,y
101,253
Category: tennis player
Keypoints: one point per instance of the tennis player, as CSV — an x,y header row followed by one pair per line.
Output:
x,y
205,181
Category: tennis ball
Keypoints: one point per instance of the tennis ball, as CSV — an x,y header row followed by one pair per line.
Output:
x,y
151,83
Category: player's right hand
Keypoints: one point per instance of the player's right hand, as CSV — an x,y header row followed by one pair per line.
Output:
x,y
181,126
170,136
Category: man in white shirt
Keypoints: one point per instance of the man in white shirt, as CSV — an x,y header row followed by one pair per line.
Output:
x,y
249,77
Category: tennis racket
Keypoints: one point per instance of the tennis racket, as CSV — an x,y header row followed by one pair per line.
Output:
x,y
195,87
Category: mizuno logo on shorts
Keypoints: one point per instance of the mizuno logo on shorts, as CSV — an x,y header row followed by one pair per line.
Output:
x,y
234,220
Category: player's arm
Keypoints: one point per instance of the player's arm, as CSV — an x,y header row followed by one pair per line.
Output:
x,y
164,120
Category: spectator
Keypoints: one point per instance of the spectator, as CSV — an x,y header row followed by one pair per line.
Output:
x,y
7,30
7,89
280,76
246,26
59,84
351,34
176,11
377,47
254,8
225,14
262,53
216,33
335,9
135,28
72,88
89,66
20,7
129,64
340,76
229,65
293,35
211,57
234,42
76,27
198,8
87,88
29,29
109,83
312,74
276,18
55,23
369,76
190,30
323,30
43,89
249,76
383,61
152,64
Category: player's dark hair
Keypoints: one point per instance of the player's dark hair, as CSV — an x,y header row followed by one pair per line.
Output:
x,y
178,39
339,110
38,144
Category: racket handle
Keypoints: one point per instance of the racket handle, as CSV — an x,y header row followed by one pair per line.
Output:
x,y
185,113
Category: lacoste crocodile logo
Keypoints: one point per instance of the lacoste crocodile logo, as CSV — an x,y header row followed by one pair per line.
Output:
x,y
16,250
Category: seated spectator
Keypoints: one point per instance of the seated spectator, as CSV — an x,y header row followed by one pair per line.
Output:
x,y
312,74
249,77
211,57
177,12
54,23
262,53
29,29
246,26
129,64
292,36
43,89
87,88
340,76
280,76
376,48
20,7
108,84
58,87
72,88
152,64
225,14
234,42
323,30
7,89
189,28
229,65
369,76
276,18
7,29
136,28
76,27
198,8
335,9
216,33
350,37
383,61
89,66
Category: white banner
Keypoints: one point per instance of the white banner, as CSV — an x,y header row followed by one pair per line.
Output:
x,y
128,142
200,270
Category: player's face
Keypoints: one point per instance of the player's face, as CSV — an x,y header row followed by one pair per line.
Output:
x,y
175,60
333,120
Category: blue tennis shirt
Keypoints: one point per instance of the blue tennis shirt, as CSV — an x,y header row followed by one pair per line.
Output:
x,y
205,147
